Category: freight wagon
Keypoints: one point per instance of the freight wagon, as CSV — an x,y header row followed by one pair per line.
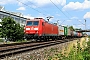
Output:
x,y
64,32
79,34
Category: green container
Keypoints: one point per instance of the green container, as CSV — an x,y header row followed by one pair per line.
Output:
x,y
65,31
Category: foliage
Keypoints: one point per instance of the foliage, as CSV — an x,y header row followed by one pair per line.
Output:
x,y
89,37
71,28
78,29
18,32
1,40
11,30
49,58
18,41
76,53
86,53
0,30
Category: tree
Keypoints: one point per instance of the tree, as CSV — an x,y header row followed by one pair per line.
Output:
x,y
71,28
19,32
10,29
78,29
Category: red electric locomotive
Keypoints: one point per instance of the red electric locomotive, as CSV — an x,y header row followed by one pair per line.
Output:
x,y
39,28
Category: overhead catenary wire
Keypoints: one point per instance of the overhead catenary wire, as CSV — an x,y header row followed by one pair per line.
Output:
x,y
80,22
40,8
37,7
70,15
45,11
31,7
59,10
60,5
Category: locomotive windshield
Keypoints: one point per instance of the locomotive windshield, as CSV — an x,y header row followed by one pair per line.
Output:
x,y
35,23
30,23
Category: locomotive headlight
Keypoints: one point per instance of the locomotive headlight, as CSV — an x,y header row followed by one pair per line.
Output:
x,y
35,28
27,28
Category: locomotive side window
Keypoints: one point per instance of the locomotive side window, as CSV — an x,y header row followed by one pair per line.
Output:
x,y
29,23
35,22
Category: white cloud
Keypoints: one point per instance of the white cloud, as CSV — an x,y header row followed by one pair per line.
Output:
x,y
79,26
21,8
77,5
74,17
31,17
89,25
37,16
22,2
33,3
58,14
80,20
42,3
3,2
87,15
69,20
28,16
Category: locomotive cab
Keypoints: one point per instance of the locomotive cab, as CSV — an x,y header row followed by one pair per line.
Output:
x,y
33,28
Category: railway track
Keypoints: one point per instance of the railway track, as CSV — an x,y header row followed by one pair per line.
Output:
x,y
15,48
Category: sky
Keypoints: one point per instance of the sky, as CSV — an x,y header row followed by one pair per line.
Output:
x,y
68,12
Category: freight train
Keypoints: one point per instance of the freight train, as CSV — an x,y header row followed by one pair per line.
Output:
x,y
38,28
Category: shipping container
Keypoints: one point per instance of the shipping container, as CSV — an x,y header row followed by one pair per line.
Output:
x,y
79,34
68,32
65,31
60,30
75,33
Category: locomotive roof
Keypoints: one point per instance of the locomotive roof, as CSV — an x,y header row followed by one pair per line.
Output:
x,y
37,19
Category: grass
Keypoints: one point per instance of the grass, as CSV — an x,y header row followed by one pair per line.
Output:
x,y
18,41
76,52
1,40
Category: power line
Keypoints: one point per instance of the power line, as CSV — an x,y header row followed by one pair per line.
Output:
x,y
31,7
59,9
70,15
43,10
62,22
37,7
81,22
60,5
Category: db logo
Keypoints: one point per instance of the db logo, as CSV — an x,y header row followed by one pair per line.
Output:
x,y
32,28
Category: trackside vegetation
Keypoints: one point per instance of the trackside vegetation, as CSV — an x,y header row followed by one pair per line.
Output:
x,y
10,30
76,53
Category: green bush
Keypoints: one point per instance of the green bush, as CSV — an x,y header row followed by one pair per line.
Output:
x,y
11,30
75,54
86,52
1,40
